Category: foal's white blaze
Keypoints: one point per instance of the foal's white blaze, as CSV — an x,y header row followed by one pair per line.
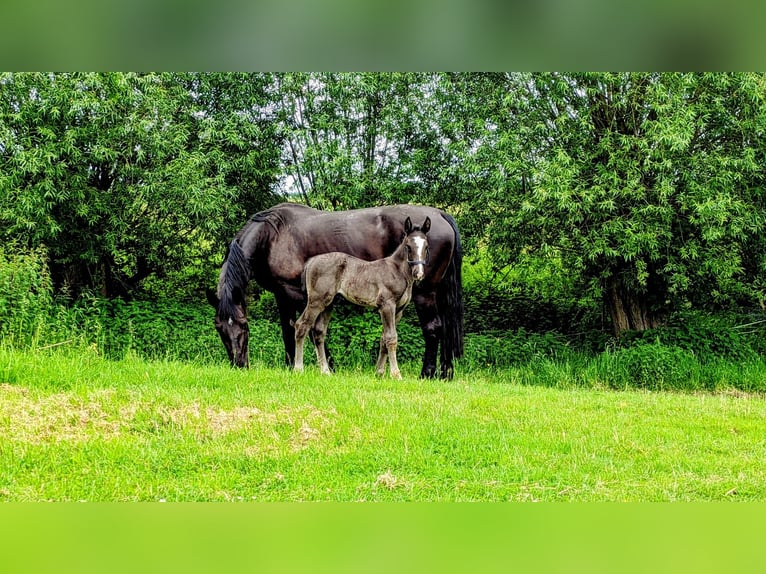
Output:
x,y
420,244
420,254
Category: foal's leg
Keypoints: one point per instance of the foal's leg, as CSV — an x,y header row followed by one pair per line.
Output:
x,y
380,367
320,332
388,315
305,322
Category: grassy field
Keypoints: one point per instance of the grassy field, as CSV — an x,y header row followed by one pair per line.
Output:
x,y
74,426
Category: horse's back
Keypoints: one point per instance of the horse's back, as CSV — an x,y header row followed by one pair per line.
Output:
x,y
370,233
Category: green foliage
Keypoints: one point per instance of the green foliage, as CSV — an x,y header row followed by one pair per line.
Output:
x,y
127,176
74,426
266,347
519,303
643,192
535,300
157,330
652,366
647,187
503,349
708,337
354,139
354,336
25,295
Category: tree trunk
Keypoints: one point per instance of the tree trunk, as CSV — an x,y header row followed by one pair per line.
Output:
x,y
629,311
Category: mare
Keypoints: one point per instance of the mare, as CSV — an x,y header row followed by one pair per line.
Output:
x,y
384,284
274,245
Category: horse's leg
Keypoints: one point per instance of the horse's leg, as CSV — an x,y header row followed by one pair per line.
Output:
x,y
298,363
287,310
388,315
431,325
445,362
320,333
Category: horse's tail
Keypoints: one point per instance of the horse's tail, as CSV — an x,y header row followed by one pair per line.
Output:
x,y
450,301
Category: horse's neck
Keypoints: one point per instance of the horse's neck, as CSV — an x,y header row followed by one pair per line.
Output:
x,y
254,239
399,259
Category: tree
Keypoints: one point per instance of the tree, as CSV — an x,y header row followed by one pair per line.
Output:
x,y
649,186
125,176
355,140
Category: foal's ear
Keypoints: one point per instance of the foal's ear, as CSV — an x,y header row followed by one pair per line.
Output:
x,y
212,297
426,225
407,226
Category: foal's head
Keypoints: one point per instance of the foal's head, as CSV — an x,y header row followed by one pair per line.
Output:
x,y
416,247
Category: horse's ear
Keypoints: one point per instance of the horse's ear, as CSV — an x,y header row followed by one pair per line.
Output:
x,y
426,225
407,226
212,298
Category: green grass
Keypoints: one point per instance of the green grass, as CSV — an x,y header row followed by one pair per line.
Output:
x,y
74,426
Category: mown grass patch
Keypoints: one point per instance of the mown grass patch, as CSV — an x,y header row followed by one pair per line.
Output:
x,y
78,427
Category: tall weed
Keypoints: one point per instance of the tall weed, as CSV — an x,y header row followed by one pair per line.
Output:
x,y
708,337
499,349
25,295
651,366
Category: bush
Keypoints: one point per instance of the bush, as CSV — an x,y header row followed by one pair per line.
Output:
x,y
151,330
652,366
511,348
535,294
266,347
708,337
25,295
164,329
353,338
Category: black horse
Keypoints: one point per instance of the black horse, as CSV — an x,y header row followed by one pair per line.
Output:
x,y
274,245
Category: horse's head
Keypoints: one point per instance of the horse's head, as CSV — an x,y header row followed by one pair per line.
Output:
x,y
416,244
231,324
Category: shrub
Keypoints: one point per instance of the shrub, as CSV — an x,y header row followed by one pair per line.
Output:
x,y
25,295
510,348
653,366
708,337
353,338
149,329
266,347
534,294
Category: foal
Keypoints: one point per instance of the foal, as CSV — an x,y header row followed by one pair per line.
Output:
x,y
385,284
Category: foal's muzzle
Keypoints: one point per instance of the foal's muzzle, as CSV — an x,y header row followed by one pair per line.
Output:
x,y
418,269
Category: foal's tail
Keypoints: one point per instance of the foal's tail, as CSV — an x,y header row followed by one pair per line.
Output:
x,y
450,301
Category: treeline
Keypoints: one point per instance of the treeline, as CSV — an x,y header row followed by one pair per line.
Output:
x,y
606,201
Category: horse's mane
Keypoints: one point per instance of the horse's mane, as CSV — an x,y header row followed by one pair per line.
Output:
x,y
234,279
235,275
274,216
